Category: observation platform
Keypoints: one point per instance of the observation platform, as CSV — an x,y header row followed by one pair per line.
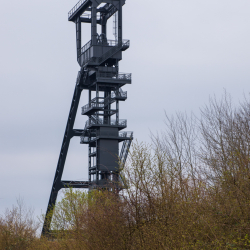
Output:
x,y
122,136
119,79
98,104
84,5
104,79
103,51
100,122
80,7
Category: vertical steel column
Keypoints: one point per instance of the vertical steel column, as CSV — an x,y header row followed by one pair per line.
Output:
x,y
120,22
105,115
97,98
89,163
104,26
117,110
89,98
109,108
97,164
78,37
93,24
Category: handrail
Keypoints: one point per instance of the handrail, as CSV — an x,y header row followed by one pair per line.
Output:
x,y
111,98
125,76
126,134
88,16
111,43
86,46
120,76
119,93
113,50
100,121
86,139
115,47
76,7
100,102
95,103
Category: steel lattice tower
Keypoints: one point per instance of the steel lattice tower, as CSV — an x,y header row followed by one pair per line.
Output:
x,y
99,75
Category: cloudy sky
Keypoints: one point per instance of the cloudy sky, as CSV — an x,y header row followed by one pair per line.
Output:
x,y
182,52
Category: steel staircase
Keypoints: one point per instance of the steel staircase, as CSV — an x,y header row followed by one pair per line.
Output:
x,y
124,151
123,157
102,103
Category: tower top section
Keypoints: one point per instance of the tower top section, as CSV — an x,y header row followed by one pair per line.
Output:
x,y
110,7
99,50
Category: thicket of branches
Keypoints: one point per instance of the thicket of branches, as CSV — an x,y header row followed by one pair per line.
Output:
x,y
188,189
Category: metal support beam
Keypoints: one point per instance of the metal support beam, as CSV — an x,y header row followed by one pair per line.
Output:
x,y
88,20
120,22
69,133
75,184
78,36
77,132
93,25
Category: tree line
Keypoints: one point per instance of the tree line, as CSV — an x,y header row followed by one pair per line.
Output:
x,y
188,189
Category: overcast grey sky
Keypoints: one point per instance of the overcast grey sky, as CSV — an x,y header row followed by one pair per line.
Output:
x,y
182,52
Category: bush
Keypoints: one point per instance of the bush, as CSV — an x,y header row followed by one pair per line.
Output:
x,y
188,189
17,227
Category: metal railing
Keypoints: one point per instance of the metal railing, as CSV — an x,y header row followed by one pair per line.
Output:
x,y
119,93
86,46
88,16
125,43
115,94
120,76
125,76
112,42
76,7
95,103
101,121
126,134
100,102
115,48
86,139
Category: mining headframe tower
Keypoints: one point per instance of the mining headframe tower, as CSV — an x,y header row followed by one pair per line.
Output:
x,y
99,75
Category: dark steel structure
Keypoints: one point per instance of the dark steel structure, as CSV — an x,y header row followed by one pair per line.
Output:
x,y
99,75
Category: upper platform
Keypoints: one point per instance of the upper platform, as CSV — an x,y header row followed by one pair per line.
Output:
x,y
102,52
83,5
120,136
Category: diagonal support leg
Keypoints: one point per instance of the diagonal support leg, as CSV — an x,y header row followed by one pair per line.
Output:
x,y
69,133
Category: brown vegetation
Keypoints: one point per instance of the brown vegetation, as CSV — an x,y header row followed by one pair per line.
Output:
x,y
190,189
